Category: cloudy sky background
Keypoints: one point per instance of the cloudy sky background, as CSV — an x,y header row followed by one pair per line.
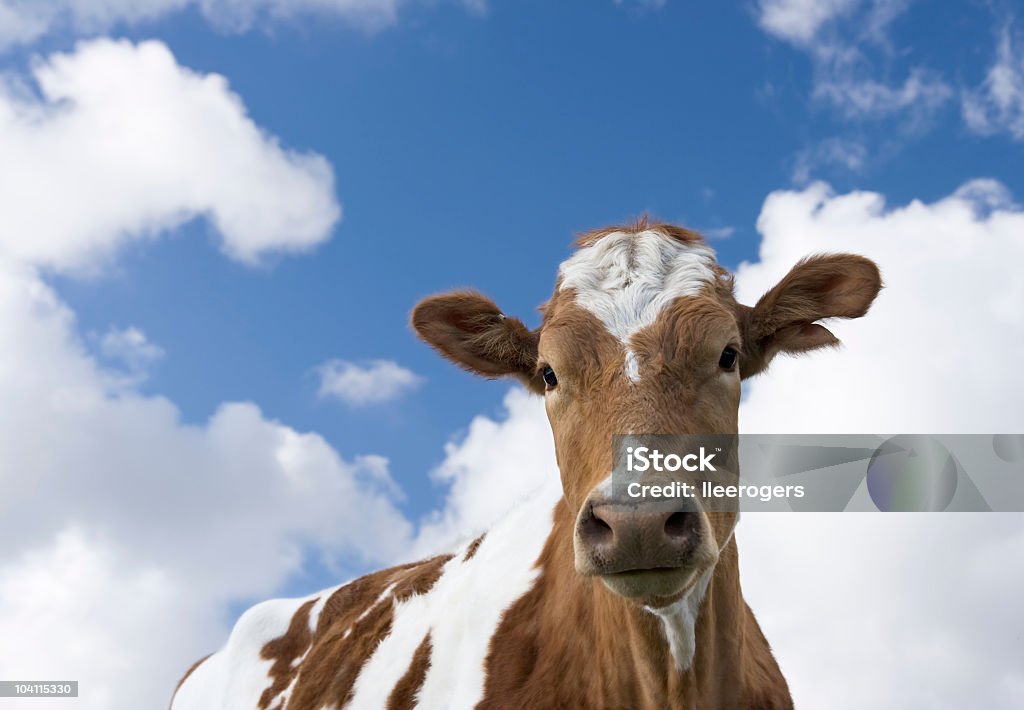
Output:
x,y
215,216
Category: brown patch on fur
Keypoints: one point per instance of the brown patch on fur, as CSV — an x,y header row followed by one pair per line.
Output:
x,y
473,546
354,621
403,697
284,651
420,580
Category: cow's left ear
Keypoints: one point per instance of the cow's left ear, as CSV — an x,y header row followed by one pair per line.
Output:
x,y
471,331
784,319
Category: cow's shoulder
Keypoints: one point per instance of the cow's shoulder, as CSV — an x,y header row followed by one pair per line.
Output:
x,y
259,665
235,676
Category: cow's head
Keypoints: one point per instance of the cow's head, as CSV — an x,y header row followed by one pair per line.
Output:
x,y
643,336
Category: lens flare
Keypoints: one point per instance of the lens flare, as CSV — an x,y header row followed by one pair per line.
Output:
x,y
912,473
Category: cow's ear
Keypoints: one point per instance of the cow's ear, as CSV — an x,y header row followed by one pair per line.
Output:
x,y
471,331
784,319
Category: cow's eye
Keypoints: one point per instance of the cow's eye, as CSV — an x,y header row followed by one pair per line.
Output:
x,y
728,359
549,378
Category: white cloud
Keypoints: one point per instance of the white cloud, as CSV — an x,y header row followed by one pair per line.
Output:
x,y
921,94
123,143
496,464
126,524
131,348
847,153
25,21
723,232
82,611
985,195
798,21
952,290
929,599
375,382
997,106
846,40
241,15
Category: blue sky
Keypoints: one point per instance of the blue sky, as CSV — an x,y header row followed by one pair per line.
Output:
x,y
163,348
468,150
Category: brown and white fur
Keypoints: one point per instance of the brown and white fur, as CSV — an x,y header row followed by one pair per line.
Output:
x,y
571,601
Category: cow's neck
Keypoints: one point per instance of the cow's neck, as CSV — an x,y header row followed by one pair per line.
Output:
x,y
608,652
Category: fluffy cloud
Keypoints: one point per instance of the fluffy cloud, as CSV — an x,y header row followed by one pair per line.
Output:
x,y
372,383
131,348
121,524
998,104
952,290
82,610
496,464
123,143
919,607
24,21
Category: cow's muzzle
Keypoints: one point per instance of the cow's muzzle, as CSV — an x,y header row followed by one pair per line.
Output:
x,y
650,550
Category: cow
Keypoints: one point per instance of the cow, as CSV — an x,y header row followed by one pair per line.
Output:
x,y
573,601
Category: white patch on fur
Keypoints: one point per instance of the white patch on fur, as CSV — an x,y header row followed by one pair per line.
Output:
x,y
236,676
627,279
461,612
318,606
679,621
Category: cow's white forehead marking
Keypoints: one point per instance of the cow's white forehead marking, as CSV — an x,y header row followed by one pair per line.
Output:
x,y
625,279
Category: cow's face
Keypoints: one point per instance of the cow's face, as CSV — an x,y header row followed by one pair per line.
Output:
x,y
643,336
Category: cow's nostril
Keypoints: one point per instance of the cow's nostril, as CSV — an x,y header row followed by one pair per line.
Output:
x,y
595,530
679,525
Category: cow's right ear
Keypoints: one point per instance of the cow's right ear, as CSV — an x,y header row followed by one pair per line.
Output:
x,y
471,331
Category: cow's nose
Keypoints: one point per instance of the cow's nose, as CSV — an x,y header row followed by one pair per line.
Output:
x,y
618,537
